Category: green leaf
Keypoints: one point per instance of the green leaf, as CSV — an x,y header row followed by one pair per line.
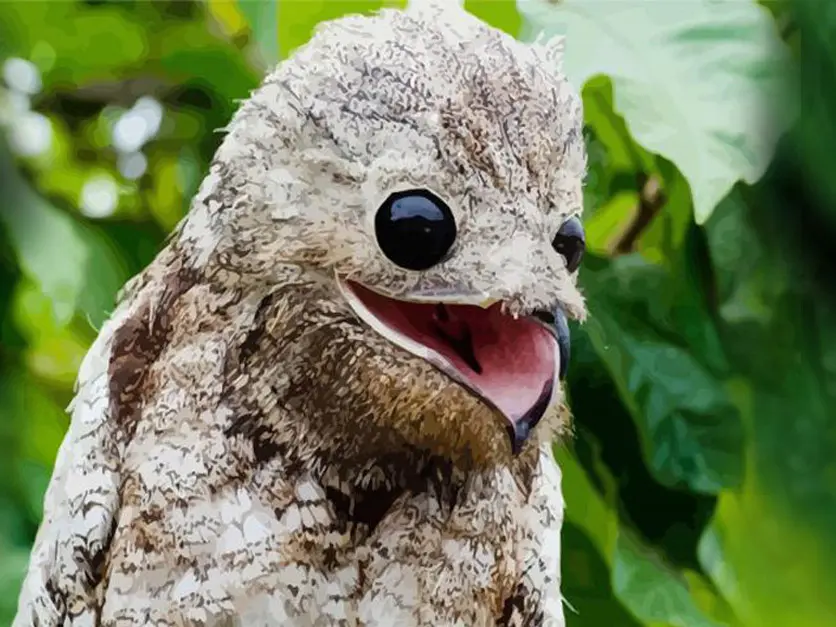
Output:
x,y
585,507
14,557
690,430
12,570
31,429
146,51
71,263
623,153
693,81
708,599
40,422
664,240
232,78
750,288
606,224
588,543
47,242
771,547
54,351
815,134
14,528
263,19
653,592
586,586
640,581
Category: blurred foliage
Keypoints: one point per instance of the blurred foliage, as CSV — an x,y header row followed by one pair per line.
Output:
x,y
701,481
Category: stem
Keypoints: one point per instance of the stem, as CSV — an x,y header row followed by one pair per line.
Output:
x,y
651,200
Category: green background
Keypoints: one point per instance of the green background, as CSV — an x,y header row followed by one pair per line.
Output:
x,y
701,479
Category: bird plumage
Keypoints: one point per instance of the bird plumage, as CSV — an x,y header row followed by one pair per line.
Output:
x,y
244,449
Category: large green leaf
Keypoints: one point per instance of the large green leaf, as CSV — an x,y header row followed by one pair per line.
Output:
x,y
35,439
608,571
690,430
693,80
772,545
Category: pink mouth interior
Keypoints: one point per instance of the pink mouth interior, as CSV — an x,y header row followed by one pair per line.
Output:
x,y
510,363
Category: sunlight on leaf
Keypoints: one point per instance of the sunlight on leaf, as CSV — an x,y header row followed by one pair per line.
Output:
x,y
693,81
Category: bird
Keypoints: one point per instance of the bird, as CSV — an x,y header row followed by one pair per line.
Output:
x,y
332,396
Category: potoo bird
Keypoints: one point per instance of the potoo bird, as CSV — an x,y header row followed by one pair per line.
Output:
x,y
331,398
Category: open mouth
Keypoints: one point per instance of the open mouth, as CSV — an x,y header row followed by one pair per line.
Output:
x,y
511,363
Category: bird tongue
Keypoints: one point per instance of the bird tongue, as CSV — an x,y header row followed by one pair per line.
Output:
x,y
510,362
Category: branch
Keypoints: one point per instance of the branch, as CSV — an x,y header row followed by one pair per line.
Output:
x,y
651,200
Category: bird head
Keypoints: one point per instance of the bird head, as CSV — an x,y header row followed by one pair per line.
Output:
x,y
407,188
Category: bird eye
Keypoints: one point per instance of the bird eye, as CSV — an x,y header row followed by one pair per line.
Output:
x,y
415,229
570,242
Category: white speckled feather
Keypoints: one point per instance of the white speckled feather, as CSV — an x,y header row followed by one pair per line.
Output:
x,y
244,449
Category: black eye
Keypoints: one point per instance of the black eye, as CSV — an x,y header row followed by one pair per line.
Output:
x,y
415,229
570,242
